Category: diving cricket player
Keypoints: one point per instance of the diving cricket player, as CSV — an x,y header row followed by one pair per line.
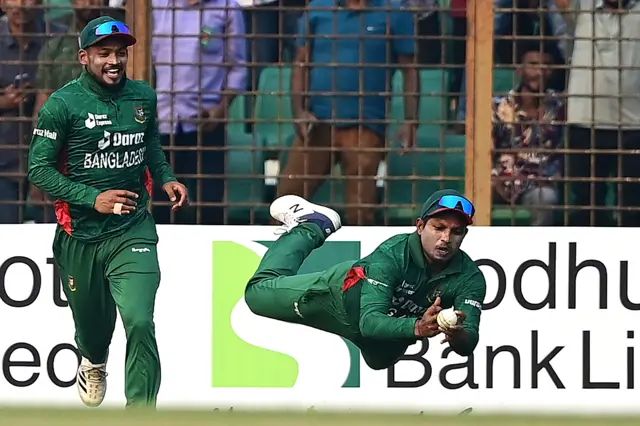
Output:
x,y
386,301
94,146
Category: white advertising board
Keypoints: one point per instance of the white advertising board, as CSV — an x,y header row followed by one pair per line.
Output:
x,y
557,331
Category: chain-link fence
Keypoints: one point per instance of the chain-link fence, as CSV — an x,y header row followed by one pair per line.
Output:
x,y
575,111
362,106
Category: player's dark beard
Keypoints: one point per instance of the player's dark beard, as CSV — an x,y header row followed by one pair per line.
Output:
x,y
98,76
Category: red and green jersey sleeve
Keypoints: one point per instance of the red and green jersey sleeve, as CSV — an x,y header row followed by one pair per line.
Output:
x,y
46,162
382,275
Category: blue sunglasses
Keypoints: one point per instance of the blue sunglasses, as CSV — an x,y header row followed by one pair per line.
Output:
x,y
457,203
112,27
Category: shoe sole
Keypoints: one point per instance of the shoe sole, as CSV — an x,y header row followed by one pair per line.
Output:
x,y
333,216
81,393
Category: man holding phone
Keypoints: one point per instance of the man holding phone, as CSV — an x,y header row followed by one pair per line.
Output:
x,y
22,34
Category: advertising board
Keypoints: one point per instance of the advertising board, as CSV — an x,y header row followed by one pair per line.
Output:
x,y
557,330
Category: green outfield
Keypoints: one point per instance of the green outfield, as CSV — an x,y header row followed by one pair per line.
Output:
x,y
88,417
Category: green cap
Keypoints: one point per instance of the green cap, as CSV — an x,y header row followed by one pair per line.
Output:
x,y
432,206
96,31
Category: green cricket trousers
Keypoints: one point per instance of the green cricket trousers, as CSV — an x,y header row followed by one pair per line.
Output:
x,y
120,272
316,299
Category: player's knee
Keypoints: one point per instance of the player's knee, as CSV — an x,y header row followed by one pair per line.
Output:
x,y
252,299
255,279
138,325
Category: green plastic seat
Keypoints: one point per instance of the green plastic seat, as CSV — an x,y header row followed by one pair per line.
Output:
x,y
237,116
245,179
433,101
507,216
504,79
272,113
407,185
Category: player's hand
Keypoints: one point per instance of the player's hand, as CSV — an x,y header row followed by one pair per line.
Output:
x,y
177,193
116,201
427,326
407,135
450,333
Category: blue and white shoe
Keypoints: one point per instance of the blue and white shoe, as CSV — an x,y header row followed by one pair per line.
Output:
x,y
91,382
291,210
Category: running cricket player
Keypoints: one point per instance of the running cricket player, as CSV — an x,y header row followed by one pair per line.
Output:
x,y
93,148
386,301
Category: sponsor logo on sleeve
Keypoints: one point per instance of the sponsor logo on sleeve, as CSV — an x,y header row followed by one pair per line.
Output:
x,y
473,303
44,133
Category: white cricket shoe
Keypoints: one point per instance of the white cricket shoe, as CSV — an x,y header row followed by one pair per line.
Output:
x,y
291,210
92,382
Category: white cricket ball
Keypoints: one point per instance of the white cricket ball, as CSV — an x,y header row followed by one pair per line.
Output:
x,y
447,318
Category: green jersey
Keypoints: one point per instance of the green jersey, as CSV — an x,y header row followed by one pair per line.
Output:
x,y
386,292
90,139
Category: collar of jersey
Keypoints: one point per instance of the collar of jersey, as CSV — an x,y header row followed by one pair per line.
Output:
x,y
90,84
415,249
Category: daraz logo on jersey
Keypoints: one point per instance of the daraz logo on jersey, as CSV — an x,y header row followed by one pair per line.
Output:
x,y
94,120
252,351
120,139
116,159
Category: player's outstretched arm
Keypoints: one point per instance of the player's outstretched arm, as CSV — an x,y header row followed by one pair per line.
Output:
x,y
49,137
156,159
463,338
381,278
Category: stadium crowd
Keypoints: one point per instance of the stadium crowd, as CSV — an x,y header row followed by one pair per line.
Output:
x,y
567,76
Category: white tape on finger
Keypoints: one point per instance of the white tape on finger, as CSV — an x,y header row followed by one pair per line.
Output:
x,y
117,208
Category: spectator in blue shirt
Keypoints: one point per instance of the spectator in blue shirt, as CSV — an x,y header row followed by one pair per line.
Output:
x,y
347,52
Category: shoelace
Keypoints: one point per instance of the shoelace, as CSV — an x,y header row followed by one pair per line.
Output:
x,y
289,221
94,375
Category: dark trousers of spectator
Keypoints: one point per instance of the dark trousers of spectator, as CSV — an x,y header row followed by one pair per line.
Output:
x,y
602,166
315,159
458,56
271,39
209,188
271,35
9,192
429,40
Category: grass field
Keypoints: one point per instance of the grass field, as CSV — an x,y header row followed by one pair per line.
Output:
x,y
86,417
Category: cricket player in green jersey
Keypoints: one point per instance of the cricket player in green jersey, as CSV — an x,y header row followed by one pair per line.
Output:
x,y
94,146
386,301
